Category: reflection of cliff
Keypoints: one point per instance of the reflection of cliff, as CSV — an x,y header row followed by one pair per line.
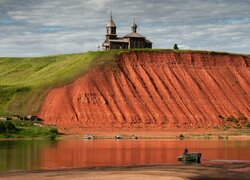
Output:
x,y
78,153
154,90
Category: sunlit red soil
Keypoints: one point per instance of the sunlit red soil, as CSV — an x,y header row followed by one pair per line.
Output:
x,y
154,91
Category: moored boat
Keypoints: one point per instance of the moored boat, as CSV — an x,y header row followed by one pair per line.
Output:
x,y
89,136
190,157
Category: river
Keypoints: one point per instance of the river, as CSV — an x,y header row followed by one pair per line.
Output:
x,y
61,154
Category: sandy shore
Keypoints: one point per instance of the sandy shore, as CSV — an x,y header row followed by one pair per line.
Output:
x,y
164,172
232,134
242,134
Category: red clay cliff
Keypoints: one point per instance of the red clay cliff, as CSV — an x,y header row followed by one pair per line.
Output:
x,y
154,90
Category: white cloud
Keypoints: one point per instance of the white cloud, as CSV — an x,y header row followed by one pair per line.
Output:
x,y
34,27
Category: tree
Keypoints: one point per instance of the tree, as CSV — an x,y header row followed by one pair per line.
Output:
x,y
176,47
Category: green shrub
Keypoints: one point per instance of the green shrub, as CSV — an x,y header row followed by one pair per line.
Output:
x,y
231,119
7,127
248,125
242,117
52,136
7,135
53,130
176,47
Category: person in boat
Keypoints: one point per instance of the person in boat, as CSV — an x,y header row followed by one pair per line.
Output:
x,y
185,151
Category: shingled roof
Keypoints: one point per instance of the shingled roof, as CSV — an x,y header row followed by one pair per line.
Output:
x,y
133,34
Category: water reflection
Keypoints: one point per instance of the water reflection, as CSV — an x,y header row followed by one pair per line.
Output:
x,y
21,155
27,155
138,152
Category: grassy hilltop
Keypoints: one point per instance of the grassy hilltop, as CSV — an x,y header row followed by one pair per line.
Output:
x,y
25,81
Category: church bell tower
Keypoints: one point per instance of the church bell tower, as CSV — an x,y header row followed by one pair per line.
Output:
x,y
111,29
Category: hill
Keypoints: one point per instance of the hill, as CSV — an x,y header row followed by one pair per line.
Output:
x,y
146,89
155,90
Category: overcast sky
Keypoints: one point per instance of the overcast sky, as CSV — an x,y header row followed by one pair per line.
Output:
x,y
45,27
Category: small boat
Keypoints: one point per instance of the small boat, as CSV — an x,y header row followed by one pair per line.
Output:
x,y
190,157
89,136
118,137
134,137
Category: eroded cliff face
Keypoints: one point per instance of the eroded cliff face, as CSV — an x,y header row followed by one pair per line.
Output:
x,y
154,90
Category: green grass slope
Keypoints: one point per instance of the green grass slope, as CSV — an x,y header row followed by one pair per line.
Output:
x,y
25,81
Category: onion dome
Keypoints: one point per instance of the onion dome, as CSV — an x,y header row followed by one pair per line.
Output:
x,y
134,26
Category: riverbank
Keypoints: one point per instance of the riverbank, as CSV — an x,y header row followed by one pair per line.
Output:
x,y
163,172
24,130
30,130
233,134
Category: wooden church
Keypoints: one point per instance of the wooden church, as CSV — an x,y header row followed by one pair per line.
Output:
x,y
130,41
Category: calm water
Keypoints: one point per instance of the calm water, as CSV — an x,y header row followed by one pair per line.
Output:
x,y
31,155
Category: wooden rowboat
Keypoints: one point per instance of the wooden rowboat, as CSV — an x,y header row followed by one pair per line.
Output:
x,y
190,157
